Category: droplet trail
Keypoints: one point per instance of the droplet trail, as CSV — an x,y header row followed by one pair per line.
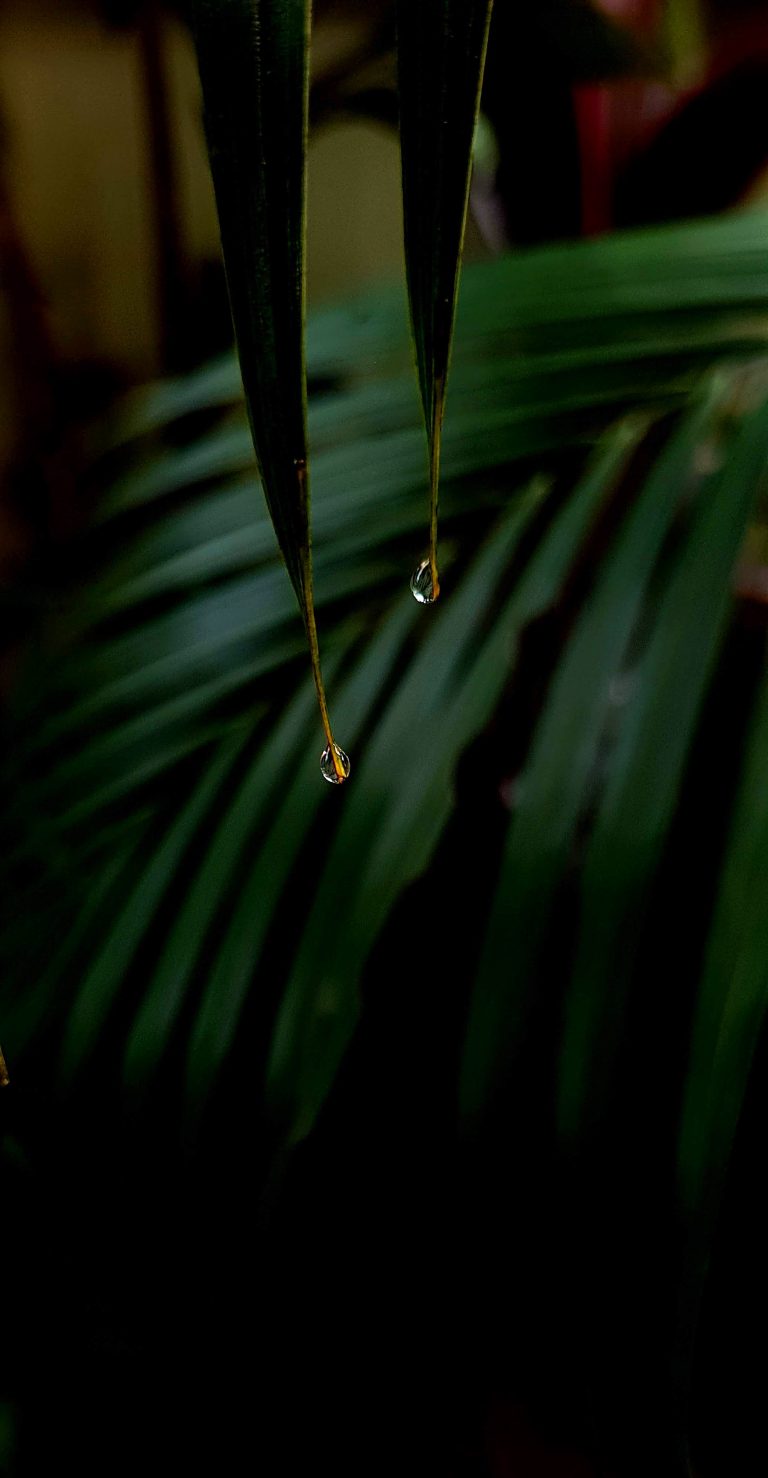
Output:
x,y
335,771
422,587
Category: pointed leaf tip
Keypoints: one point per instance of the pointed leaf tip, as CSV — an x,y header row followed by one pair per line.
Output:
x,y
441,58
253,57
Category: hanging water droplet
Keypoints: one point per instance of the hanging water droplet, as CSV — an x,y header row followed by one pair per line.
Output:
x,y
330,770
422,588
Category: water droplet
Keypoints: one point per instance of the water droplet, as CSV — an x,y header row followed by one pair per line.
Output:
x,y
328,769
422,588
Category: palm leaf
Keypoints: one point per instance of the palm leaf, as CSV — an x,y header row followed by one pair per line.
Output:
x,y
268,876
184,640
441,54
555,780
161,817
254,66
102,981
732,993
727,1027
645,773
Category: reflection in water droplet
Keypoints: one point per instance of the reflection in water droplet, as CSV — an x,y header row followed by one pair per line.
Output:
x,y
328,769
421,584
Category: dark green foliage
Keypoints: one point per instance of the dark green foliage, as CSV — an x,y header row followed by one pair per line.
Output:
x,y
183,899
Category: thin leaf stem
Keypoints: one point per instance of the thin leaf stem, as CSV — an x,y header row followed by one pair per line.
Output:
x,y
314,656
436,426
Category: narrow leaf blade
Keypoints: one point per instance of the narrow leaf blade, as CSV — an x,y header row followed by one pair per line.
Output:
x,y
254,67
441,55
253,60
643,785
733,993
555,778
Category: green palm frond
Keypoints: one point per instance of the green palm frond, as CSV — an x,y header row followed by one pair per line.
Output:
x,y
176,884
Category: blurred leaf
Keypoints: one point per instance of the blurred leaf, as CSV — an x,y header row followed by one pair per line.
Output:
x,y
32,989
553,783
645,773
634,298
733,993
240,952
97,991
726,1030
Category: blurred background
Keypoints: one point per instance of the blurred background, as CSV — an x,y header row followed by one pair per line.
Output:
x,y
111,270
595,117
631,111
